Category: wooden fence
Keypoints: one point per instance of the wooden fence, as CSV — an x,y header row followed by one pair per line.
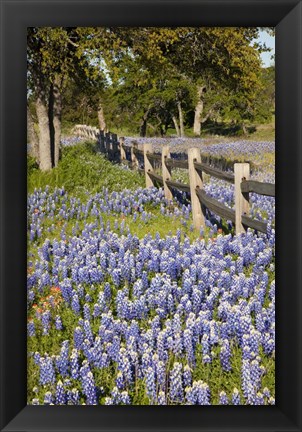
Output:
x,y
200,201
107,141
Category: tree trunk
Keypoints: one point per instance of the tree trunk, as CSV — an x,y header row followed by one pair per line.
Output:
x,y
143,128
44,136
197,118
57,115
101,117
198,111
176,125
32,137
51,124
181,120
244,129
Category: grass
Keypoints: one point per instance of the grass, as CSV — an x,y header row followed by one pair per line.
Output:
x,y
264,132
83,170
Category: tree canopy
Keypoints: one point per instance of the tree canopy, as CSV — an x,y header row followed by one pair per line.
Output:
x,y
144,79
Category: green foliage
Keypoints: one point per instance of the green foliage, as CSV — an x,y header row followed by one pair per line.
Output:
x,y
140,74
83,169
32,165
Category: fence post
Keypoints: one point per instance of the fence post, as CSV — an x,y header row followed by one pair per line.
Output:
x,y
242,172
122,150
133,156
114,147
102,141
196,181
166,172
147,165
107,144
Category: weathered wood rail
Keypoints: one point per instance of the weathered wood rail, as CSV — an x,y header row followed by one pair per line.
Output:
x,y
267,189
145,161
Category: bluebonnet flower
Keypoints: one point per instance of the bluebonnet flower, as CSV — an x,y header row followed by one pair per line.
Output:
x,y
66,289
124,365
187,376
125,398
37,356
150,383
73,397
225,355
74,365
176,386
107,292
96,310
247,383
223,399
206,357
188,345
259,399
58,323
256,373
60,394
47,373
177,345
254,340
75,304
86,312
88,331
88,387
62,361
78,337
116,277
120,381
45,318
203,393
190,396
48,399
236,397
31,330
268,343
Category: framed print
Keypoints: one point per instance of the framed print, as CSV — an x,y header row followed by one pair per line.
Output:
x,y
156,298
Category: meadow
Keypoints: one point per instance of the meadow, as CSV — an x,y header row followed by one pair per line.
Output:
x,y
129,305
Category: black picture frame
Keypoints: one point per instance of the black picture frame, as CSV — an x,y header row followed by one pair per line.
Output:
x,y
16,16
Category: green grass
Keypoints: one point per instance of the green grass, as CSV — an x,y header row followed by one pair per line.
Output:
x,y
83,170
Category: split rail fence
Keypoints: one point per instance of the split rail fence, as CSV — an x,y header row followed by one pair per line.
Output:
x,y
116,150
108,142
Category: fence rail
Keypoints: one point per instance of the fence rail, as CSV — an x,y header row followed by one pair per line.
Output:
x,y
173,163
138,152
267,189
202,167
156,177
215,206
178,185
116,150
254,223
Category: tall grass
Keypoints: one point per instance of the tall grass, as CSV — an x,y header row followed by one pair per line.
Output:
x,y
83,169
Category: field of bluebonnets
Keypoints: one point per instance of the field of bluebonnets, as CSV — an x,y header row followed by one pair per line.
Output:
x,y
127,304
